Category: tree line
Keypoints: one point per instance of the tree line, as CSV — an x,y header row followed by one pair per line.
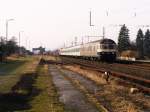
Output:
x,y
141,44
8,47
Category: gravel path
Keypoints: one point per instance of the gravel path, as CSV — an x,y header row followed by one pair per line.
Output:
x,y
73,99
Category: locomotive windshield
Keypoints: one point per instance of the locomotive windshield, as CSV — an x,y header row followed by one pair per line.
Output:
x,y
107,46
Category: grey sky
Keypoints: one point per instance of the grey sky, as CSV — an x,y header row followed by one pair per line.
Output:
x,y
52,22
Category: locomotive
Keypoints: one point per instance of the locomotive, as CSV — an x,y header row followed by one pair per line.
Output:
x,y
104,49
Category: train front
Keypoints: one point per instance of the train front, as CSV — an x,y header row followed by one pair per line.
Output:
x,y
107,50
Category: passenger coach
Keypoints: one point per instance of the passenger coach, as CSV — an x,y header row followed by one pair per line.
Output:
x,y
104,49
71,51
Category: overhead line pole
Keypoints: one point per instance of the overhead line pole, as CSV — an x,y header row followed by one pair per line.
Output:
x,y
103,32
91,19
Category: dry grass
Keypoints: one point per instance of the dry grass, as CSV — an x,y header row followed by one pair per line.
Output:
x,y
95,76
131,108
115,95
52,58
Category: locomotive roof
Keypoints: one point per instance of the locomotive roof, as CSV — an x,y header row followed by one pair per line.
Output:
x,y
107,41
103,41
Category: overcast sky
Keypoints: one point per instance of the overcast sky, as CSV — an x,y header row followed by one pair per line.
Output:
x,y
51,23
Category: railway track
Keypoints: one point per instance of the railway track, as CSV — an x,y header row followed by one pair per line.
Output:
x,y
135,65
131,69
137,70
141,83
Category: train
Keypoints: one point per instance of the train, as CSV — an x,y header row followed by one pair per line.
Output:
x,y
103,49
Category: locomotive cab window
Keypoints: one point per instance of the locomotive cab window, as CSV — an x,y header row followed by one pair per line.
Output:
x,y
111,46
104,46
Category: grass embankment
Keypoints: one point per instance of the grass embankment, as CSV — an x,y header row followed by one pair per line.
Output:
x,y
13,69
47,99
16,77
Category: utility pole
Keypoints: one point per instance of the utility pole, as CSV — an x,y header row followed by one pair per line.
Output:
x,y
20,42
7,27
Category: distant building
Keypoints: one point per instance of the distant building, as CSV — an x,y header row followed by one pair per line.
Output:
x,y
39,50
